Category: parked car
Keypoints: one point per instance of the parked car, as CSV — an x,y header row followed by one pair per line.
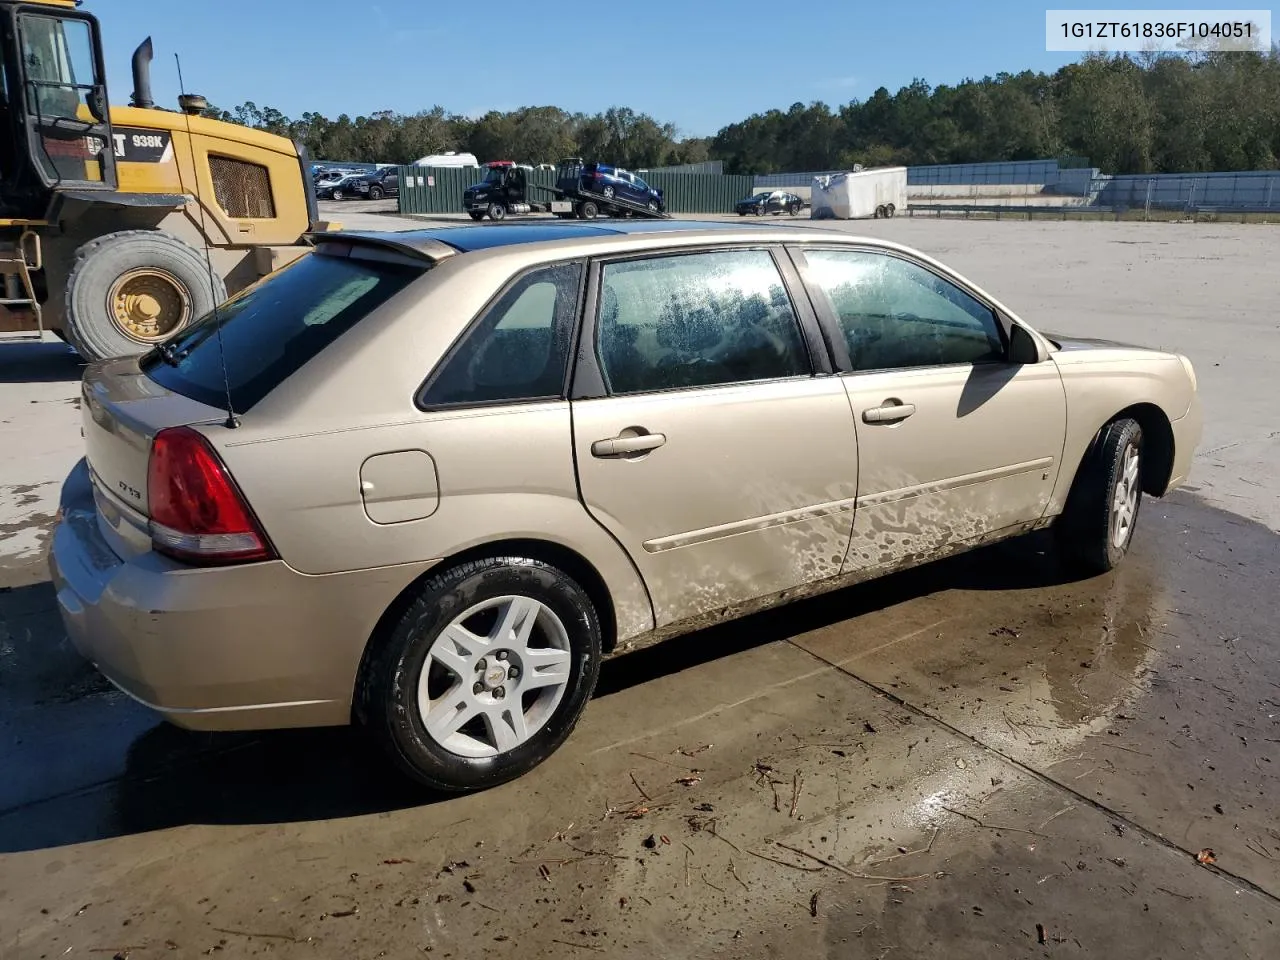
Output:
x,y
340,189
379,184
773,202
614,182
601,435
332,174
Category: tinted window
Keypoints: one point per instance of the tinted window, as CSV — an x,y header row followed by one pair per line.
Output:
x,y
272,328
895,313
696,320
519,349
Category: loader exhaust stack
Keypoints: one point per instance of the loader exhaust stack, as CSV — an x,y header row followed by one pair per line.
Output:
x,y
142,75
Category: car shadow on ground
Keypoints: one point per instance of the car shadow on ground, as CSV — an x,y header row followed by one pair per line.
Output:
x,y
173,777
43,361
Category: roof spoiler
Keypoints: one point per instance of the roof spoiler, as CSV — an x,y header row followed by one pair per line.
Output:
x,y
409,243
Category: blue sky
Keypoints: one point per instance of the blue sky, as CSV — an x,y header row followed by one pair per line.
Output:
x,y
699,64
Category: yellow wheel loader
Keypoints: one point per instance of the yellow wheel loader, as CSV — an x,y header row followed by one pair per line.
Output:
x,y
121,225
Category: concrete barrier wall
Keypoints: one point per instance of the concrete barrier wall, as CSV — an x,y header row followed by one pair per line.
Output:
x,y
1011,172
938,191
1024,181
1255,190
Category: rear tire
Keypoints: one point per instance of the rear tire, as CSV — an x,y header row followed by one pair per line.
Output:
x,y
94,296
391,692
588,210
889,208
607,193
1101,514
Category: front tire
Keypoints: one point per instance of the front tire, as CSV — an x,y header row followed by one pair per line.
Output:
x,y
338,194
484,675
130,290
375,193
1101,514
497,211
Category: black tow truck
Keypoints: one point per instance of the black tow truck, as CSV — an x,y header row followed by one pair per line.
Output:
x,y
505,191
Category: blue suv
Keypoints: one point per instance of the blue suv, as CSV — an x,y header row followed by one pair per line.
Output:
x,y
612,183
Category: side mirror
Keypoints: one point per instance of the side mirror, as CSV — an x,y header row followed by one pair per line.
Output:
x,y
1023,347
96,101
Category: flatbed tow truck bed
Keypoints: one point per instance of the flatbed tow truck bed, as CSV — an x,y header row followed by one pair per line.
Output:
x,y
587,206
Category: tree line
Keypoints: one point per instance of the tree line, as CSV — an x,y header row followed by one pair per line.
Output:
x,y
1147,113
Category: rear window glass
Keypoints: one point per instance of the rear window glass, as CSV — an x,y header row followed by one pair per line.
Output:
x,y
272,328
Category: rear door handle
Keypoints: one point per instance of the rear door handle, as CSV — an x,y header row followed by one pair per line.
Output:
x,y
888,412
625,446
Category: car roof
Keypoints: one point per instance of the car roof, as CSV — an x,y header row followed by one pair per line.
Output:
x,y
466,239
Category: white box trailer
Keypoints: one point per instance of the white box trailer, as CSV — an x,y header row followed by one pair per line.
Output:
x,y
881,192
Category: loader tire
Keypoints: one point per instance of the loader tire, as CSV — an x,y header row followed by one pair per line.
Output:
x,y
130,290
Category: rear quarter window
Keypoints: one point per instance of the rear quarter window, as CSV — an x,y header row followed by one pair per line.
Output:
x,y
270,329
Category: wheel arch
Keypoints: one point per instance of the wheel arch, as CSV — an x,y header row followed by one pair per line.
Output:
x,y
1157,443
558,555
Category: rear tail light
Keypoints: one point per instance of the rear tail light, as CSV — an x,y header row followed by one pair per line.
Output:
x,y
198,514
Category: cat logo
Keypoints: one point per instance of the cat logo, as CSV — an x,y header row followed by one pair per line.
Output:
x,y
143,146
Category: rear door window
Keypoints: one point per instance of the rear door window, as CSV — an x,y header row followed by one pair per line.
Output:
x,y
696,320
272,328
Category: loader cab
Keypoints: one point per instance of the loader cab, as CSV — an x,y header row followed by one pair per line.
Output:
x,y
55,127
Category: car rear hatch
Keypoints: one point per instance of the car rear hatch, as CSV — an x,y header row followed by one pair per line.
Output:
x,y
221,366
122,411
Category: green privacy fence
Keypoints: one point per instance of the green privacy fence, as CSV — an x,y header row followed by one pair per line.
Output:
x,y
701,192
439,189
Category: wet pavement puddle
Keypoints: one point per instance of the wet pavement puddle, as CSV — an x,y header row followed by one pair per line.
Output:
x,y
975,758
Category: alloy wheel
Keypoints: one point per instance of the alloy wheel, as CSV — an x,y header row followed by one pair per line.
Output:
x,y
494,676
1124,501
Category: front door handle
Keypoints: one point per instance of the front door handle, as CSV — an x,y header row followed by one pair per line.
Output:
x,y
628,445
891,411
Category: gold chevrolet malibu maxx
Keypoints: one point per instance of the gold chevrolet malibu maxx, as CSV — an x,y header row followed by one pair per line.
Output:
x,y
425,481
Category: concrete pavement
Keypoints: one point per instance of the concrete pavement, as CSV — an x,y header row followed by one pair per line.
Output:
x,y
982,757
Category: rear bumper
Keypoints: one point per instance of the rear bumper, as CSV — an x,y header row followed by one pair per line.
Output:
x,y
224,648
